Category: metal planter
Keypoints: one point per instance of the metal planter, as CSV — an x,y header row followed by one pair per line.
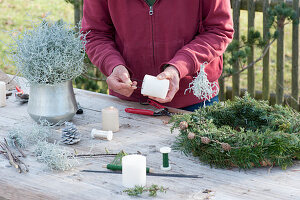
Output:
x,y
54,103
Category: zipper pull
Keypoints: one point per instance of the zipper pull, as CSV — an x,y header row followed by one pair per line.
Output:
x,y
151,10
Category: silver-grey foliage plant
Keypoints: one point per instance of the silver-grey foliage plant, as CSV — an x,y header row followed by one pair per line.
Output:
x,y
48,53
26,136
54,156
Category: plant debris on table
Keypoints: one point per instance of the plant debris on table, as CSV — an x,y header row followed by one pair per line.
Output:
x,y
139,190
243,133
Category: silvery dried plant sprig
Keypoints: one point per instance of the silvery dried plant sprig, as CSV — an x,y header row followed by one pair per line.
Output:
x,y
55,156
48,53
201,87
24,137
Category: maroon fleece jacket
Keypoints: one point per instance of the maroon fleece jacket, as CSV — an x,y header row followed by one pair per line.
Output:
x,y
182,33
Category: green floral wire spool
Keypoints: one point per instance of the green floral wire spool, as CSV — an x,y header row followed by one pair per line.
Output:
x,y
243,133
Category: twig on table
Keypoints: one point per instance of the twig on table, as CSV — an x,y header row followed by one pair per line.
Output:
x,y
12,158
19,149
94,155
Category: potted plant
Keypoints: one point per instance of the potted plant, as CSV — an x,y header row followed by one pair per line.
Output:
x,y
49,55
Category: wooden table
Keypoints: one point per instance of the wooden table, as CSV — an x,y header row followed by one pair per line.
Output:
x,y
137,133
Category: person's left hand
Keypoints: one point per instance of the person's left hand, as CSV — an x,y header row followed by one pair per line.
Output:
x,y
172,74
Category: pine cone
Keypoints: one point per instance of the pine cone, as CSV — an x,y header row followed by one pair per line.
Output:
x,y
70,134
183,125
191,136
226,146
205,140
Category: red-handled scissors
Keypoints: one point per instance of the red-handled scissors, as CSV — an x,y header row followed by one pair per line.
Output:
x,y
162,111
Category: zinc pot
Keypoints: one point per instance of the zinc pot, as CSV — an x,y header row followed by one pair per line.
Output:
x,y
54,103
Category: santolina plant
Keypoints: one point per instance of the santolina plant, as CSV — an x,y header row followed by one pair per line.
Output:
x,y
49,52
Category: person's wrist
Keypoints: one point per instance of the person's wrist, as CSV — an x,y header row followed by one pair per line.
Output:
x,y
118,67
173,69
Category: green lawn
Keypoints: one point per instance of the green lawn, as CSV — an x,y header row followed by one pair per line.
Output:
x,y
16,14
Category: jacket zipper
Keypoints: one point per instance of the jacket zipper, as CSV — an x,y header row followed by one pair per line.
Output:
x,y
151,12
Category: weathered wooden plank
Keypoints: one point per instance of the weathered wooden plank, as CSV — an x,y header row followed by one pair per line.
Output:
x,y
236,67
137,133
295,59
280,61
260,4
266,59
251,70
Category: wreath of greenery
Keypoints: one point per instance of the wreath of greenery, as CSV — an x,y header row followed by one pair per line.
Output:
x,y
243,133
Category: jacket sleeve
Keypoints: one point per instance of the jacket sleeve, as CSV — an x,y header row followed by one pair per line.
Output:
x,y
215,33
100,47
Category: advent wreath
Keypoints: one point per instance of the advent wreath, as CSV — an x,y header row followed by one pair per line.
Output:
x,y
243,133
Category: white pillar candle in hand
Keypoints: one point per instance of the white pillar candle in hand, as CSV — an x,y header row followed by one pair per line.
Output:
x,y
133,171
110,119
2,94
156,88
108,135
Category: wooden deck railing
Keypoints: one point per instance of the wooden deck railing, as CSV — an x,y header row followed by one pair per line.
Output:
x,y
253,6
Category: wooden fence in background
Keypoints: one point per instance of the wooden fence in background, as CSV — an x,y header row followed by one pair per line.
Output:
x,y
253,6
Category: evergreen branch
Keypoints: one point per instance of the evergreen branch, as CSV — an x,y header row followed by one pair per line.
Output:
x,y
139,190
265,51
244,133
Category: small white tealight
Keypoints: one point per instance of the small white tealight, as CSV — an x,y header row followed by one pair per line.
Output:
x,y
110,119
154,87
133,171
108,135
2,94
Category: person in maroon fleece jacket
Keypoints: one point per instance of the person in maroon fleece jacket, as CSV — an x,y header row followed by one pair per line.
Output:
x,y
170,39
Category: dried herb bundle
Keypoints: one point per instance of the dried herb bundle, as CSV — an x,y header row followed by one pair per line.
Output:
x,y
25,137
201,87
243,133
54,156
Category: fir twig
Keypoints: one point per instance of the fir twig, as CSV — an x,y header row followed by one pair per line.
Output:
x,y
244,133
139,190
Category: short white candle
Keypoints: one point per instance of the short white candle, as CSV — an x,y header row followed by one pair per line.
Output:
x,y
2,94
156,88
110,119
108,135
133,170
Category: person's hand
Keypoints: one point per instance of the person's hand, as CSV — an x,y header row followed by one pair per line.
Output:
x,y
119,81
172,74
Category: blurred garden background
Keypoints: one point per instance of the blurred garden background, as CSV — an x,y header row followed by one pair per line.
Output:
x,y
17,14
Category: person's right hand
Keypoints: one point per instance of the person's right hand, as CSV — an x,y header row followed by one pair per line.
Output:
x,y
119,81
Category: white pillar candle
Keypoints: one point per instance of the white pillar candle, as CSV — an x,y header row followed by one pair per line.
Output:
x,y
110,119
2,94
133,170
153,87
108,135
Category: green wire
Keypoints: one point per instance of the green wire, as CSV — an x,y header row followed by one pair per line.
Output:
x,y
165,160
119,168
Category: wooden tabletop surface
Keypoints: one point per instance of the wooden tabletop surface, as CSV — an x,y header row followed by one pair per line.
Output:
x,y
137,133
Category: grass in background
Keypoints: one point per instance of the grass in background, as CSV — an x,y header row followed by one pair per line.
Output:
x,y
273,50
17,14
